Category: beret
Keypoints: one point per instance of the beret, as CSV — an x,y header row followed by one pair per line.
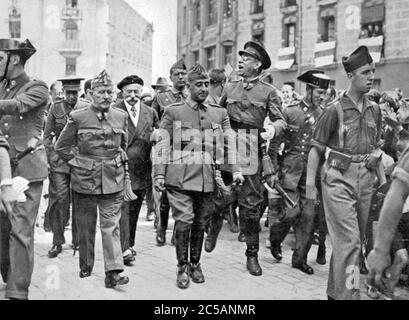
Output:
x,y
133,79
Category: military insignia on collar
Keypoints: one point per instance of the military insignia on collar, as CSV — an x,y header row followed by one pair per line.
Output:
x,y
312,120
305,109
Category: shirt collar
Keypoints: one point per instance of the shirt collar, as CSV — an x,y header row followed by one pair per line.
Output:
x,y
348,103
177,92
194,104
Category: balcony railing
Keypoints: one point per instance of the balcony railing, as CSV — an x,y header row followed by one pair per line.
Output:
x,y
71,47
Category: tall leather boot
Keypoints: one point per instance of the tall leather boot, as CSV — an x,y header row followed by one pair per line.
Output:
x,y
321,254
182,238
196,244
278,228
163,221
233,219
216,224
252,241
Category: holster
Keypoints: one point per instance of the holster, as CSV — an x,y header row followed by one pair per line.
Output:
x,y
339,160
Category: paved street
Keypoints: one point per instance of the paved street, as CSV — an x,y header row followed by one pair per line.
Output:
x,y
153,275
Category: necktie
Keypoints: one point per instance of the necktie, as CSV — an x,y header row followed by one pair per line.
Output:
x,y
133,111
248,85
102,116
201,106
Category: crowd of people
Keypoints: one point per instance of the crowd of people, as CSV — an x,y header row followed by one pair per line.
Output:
x,y
320,164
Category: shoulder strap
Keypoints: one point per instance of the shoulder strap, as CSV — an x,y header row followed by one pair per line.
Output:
x,y
341,125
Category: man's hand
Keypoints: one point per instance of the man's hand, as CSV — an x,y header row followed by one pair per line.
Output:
x,y
378,263
238,178
8,198
269,133
159,183
272,180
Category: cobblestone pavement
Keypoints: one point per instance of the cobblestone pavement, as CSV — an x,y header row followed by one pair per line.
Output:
x,y
153,276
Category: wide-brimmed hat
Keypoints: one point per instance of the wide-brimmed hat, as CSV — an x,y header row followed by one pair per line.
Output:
x,y
160,83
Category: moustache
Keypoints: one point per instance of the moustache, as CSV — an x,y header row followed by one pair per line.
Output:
x,y
136,99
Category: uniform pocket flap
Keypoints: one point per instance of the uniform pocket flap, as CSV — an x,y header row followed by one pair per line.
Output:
x,y
117,130
82,163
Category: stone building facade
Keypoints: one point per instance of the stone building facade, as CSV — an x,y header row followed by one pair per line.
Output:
x,y
299,35
80,37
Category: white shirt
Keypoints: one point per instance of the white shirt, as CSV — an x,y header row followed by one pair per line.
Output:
x,y
138,108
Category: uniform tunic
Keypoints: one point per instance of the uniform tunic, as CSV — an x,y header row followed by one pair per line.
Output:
x,y
22,107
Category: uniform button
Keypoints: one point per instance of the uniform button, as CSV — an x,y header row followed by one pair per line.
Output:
x,y
6,124
21,117
6,136
305,135
302,153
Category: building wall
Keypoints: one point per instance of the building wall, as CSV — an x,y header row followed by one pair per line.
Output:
x,y
111,36
392,69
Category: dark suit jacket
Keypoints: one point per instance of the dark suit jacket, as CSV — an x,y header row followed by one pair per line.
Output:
x,y
140,145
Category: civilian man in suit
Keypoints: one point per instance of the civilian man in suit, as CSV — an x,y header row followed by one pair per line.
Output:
x,y
142,121
22,108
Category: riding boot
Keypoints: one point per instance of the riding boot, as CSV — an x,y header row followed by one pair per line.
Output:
x,y
196,244
216,225
182,238
233,220
163,221
253,245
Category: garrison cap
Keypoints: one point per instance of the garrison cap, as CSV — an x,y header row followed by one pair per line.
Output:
x,y
257,50
179,65
103,79
71,84
197,72
316,79
133,79
357,59
25,48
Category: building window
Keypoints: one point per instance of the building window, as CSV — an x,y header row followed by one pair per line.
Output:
x,y
257,6
228,9
196,56
70,66
184,20
71,3
289,40
71,30
15,23
227,55
211,58
373,18
197,16
290,3
211,12
327,26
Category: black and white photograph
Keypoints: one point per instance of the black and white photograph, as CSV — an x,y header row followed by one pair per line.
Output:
x,y
214,151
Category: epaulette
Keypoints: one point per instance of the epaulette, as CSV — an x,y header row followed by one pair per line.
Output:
x,y
120,110
176,104
214,105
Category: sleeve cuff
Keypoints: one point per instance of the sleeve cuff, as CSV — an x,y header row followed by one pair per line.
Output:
x,y
401,175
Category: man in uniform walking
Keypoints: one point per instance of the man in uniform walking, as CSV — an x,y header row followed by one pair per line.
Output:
x,y
348,133
142,120
97,176
249,102
301,119
22,108
59,187
162,100
187,169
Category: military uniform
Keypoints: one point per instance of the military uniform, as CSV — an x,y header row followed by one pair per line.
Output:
x,y
160,102
248,104
188,168
97,179
22,107
301,119
59,187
